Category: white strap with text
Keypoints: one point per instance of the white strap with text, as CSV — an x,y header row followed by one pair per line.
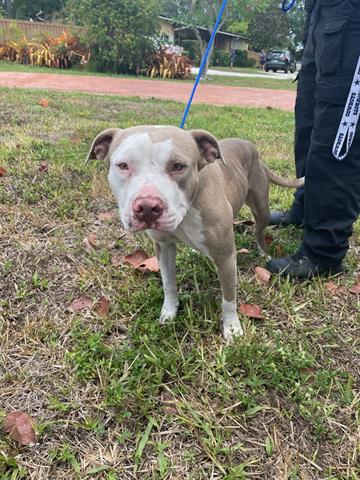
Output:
x,y
349,120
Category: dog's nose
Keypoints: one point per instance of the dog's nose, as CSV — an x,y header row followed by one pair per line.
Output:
x,y
148,209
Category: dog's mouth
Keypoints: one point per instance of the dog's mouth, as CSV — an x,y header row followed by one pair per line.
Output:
x,y
159,226
166,223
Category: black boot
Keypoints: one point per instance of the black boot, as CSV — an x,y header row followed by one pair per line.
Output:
x,y
294,216
300,266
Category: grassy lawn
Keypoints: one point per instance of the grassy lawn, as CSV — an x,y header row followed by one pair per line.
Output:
x,y
213,79
251,82
117,396
240,69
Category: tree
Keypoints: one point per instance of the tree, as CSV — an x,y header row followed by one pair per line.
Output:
x,y
120,33
269,29
26,9
203,13
297,16
6,7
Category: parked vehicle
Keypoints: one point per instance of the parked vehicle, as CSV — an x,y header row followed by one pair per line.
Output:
x,y
280,60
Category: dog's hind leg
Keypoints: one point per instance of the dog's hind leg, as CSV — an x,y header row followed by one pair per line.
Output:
x,y
258,201
166,253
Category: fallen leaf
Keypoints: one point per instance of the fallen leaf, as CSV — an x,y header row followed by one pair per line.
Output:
x,y
19,426
239,225
331,287
169,404
102,307
82,303
243,250
250,310
75,138
2,171
44,102
140,261
149,265
90,241
309,373
136,258
117,259
355,288
43,167
279,250
262,275
105,216
268,240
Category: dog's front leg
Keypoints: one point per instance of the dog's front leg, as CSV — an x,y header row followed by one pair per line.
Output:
x,y
166,253
226,267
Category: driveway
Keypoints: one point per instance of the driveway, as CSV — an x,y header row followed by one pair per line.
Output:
x,y
135,87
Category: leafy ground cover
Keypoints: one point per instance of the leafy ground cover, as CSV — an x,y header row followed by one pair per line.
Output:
x,y
213,79
114,394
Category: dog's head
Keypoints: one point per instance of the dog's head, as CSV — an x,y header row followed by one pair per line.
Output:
x,y
154,172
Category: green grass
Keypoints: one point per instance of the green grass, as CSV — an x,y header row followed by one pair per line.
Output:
x,y
213,79
240,70
121,397
251,82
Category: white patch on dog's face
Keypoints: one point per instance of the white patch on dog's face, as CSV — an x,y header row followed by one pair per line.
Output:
x,y
142,169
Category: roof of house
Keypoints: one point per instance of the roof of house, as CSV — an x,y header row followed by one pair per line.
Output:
x,y
171,20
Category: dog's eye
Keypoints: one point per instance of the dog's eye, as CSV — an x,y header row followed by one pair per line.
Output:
x,y
178,167
123,166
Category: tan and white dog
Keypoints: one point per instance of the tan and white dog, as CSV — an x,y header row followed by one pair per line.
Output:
x,y
185,186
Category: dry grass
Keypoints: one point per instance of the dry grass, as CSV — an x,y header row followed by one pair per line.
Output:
x,y
121,397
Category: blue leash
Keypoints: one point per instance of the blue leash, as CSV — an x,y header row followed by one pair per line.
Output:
x,y
285,7
203,62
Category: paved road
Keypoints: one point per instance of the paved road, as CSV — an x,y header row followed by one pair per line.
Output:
x,y
208,94
230,73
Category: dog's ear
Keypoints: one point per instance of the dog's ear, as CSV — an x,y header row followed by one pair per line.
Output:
x,y
208,147
101,145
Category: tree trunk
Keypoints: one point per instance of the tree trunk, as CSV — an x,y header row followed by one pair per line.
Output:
x,y
203,47
205,72
9,8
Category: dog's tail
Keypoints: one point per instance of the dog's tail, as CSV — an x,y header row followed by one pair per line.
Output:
x,y
284,182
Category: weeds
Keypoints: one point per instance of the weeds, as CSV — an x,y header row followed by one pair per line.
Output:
x,y
168,64
121,397
45,51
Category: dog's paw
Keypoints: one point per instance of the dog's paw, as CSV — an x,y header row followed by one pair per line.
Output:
x,y
232,330
168,313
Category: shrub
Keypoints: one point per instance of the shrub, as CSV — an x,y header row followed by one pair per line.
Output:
x,y
45,51
166,63
243,60
120,33
221,58
192,49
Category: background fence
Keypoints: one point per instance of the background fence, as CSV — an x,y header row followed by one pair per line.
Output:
x,y
30,29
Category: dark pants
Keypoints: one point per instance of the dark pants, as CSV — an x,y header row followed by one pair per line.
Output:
x,y
330,200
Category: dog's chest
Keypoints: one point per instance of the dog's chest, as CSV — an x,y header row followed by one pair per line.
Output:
x,y
190,232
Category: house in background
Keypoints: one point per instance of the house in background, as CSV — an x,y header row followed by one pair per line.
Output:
x,y
174,33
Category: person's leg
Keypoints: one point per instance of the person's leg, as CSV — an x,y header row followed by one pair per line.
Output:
x,y
332,188
304,113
